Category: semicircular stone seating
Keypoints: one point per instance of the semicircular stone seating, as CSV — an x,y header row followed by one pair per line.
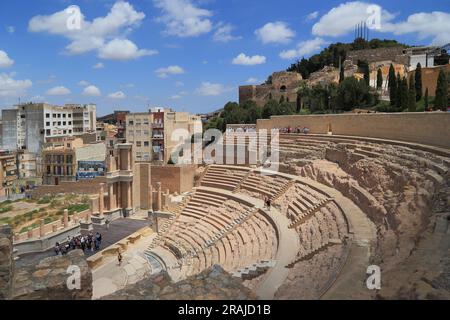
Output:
x,y
247,237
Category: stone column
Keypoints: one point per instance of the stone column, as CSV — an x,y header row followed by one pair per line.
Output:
x,y
130,158
101,200
158,196
129,204
41,228
92,205
111,196
87,219
66,218
150,197
75,218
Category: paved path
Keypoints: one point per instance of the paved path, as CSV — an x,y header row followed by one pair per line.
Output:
x,y
118,230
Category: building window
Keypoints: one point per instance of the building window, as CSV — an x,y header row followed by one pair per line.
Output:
x,y
59,123
146,144
47,115
47,132
64,131
138,144
59,115
64,123
54,115
64,115
47,124
146,121
131,132
69,115
70,123
138,155
131,123
70,130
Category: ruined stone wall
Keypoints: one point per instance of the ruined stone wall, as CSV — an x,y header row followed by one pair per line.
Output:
x,y
381,54
6,262
49,278
79,187
418,127
175,178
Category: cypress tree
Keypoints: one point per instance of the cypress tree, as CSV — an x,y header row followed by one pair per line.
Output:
x,y
392,86
379,79
341,74
412,95
398,90
418,81
441,99
404,94
426,99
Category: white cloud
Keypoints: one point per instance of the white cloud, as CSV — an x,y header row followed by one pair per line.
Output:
x,y
175,97
13,88
223,33
304,48
11,29
342,20
253,80
58,91
83,83
212,89
275,32
183,19
123,49
312,16
165,72
92,91
245,60
98,66
5,61
117,95
101,34
435,25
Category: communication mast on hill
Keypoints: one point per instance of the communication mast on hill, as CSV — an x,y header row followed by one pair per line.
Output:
x,y
362,31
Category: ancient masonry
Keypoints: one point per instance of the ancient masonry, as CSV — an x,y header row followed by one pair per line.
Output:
x,y
283,84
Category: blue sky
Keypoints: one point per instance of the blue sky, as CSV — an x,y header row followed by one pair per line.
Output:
x,y
189,55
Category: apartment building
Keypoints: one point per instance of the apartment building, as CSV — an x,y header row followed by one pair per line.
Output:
x,y
27,126
68,158
150,133
8,172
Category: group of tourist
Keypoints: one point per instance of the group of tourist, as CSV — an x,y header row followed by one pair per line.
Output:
x,y
89,242
242,129
289,129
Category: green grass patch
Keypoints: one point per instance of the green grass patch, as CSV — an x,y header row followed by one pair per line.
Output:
x,y
5,209
76,208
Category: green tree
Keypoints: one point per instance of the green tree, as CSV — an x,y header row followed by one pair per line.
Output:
x,y
412,95
426,99
341,74
403,94
379,79
271,108
441,99
418,81
392,85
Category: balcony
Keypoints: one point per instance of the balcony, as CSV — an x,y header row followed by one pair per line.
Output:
x,y
158,136
158,125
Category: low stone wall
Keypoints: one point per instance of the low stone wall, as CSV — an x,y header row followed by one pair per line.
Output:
x,y
429,128
78,187
47,242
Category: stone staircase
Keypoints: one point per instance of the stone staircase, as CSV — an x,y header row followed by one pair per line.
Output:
x,y
238,187
306,215
282,190
158,240
254,270
309,254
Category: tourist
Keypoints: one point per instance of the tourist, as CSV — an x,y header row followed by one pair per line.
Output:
x,y
119,258
57,251
107,224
